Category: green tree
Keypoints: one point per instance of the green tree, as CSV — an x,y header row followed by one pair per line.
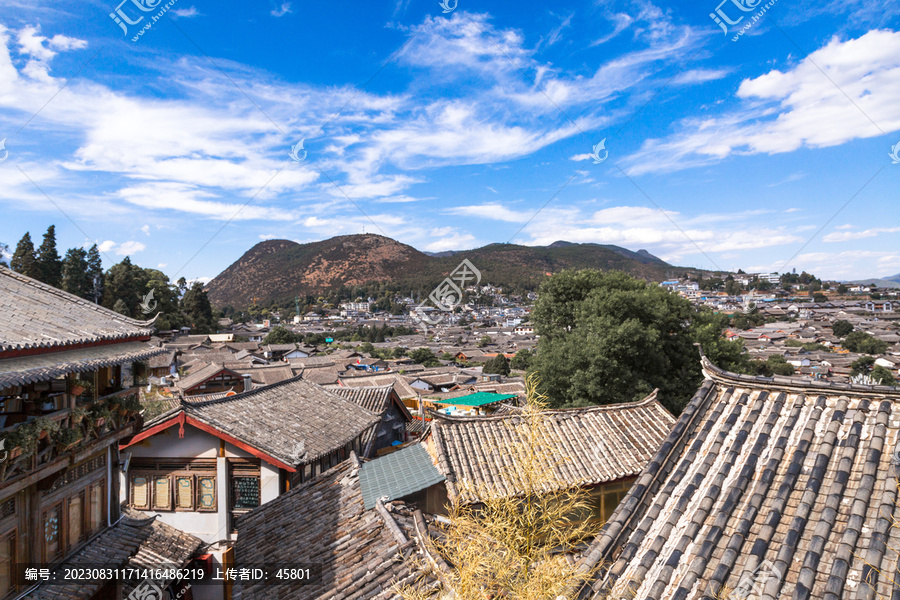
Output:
x,y
95,269
280,335
496,365
819,297
123,282
863,343
842,289
366,348
883,375
841,328
522,360
197,309
424,356
399,352
76,278
49,263
706,329
608,337
484,341
24,260
862,365
121,307
774,365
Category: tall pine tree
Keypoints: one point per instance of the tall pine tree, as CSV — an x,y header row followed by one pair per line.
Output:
x,y
23,259
76,278
197,309
95,271
49,263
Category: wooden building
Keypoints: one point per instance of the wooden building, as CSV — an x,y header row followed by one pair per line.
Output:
x,y
66,401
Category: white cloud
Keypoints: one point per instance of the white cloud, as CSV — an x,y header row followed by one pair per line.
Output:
x,y
123,249
699,76
186,13
493,211
284,9
146,229
162,265
784,111
449,239
846,236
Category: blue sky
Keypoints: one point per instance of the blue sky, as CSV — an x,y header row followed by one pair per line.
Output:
x,y
763,148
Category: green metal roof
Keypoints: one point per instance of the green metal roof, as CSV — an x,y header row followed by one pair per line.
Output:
x,y
397,474
476,399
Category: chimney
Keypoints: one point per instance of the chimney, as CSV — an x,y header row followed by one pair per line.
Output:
x,y
248,383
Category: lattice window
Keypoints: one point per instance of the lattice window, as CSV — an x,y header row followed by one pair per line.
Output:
x,y
8,508
79,471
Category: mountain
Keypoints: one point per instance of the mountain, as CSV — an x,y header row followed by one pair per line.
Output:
x,y
886,282
278,270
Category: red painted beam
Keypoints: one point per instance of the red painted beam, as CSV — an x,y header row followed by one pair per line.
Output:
x,y
181,419
176,420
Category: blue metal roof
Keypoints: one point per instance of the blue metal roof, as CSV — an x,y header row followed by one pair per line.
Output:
x,y
397,474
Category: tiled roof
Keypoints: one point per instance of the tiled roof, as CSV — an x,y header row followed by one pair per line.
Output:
x,y
403,389
374,399
321,375
198,376
133,542
41,367
598,444
777,476
277,417
162,360
398,474
36,315
323,522
310,361
267,375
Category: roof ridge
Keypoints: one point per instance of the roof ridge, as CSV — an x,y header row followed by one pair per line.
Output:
x,y
719,375
73,298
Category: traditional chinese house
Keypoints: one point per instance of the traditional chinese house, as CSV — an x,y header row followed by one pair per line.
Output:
x,y
214,458
766,488
66,401
601,448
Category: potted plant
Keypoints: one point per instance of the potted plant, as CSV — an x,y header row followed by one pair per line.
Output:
x,y
129,404
78,415
45,426
22,441
99,413
68,438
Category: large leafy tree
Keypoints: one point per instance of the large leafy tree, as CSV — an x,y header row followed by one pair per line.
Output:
x,y
24,260
49,263
280,335
841,328
863,343
496,365
608,337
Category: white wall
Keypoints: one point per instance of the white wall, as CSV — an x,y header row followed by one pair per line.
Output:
x,y
210,527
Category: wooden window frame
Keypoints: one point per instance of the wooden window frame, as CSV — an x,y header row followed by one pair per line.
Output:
x,y
215,506
173,470
60,531
89,531
71,544
154,504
